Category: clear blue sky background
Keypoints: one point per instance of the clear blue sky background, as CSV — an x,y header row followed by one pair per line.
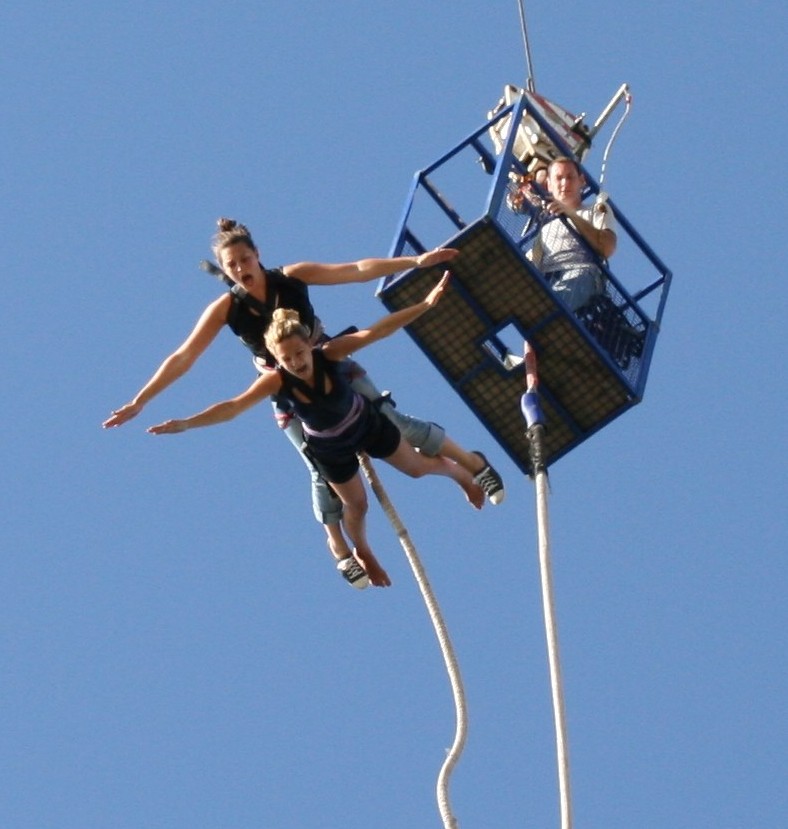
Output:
x,y
176,649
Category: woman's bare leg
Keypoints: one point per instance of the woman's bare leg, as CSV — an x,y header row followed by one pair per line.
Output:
x,y
471,461
483,473
415,464
337,544
354,512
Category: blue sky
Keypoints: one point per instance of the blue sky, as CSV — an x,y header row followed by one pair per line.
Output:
x,y
176,649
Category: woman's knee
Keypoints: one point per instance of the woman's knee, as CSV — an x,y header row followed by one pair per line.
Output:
x,y
410,462
357,498
354,497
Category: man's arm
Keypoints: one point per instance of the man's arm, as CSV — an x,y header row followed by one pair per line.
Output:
x,y
601,241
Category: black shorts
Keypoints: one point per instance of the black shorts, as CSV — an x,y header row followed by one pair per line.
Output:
x,y
336,461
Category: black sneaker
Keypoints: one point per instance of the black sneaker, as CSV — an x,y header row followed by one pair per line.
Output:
x,y
490,481
353,573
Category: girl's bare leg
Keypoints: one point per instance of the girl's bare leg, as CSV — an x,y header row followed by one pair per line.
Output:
x,y
354,503
337,544
472,461
478,466
415,464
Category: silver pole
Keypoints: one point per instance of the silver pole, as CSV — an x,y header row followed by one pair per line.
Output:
x,y
553,656
622,93
531,83
535,420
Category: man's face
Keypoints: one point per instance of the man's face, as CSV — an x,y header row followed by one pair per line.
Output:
x,y
565,183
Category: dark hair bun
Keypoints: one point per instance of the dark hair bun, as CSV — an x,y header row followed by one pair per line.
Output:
x,y
226,224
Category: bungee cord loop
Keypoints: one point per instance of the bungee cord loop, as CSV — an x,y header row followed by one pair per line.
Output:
x,y
627,107
452,667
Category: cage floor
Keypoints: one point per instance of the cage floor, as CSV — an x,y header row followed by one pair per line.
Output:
x,y
494,292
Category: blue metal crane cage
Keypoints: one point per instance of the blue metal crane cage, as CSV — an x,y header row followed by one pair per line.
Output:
x,y
593,364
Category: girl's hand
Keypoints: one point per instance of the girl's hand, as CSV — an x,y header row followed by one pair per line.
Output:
x,y
433,297
436,257
169,427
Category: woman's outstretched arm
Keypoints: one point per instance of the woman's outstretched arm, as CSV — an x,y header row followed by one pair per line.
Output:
x,y
365,270
177,364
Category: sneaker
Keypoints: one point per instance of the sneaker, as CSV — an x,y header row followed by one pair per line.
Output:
x,y
353,573
490,481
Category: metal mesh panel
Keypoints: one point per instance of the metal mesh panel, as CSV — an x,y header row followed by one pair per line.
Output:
x,y
494,287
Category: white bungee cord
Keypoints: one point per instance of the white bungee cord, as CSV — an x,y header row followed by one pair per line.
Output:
x,y
452,667
614,135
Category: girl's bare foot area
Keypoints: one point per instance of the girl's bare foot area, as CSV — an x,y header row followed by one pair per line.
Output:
x,y
474,493
377,575
338,548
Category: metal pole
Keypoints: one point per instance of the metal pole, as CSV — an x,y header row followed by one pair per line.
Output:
x,y
530,83
623,92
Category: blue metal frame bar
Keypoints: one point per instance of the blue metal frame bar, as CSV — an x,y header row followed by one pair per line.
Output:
x,y
436,196
500,182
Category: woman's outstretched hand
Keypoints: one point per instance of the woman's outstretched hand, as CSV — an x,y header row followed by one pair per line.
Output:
x,y
120,416
436,257
433,297
169,427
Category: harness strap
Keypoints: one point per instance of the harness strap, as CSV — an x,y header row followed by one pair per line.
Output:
x,y
350,418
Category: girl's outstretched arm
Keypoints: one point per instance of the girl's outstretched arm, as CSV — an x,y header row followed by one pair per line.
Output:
x,y
341,347
365,270
265,385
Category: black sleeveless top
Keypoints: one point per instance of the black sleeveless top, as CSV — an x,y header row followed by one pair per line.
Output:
x,y
281,292
322,410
